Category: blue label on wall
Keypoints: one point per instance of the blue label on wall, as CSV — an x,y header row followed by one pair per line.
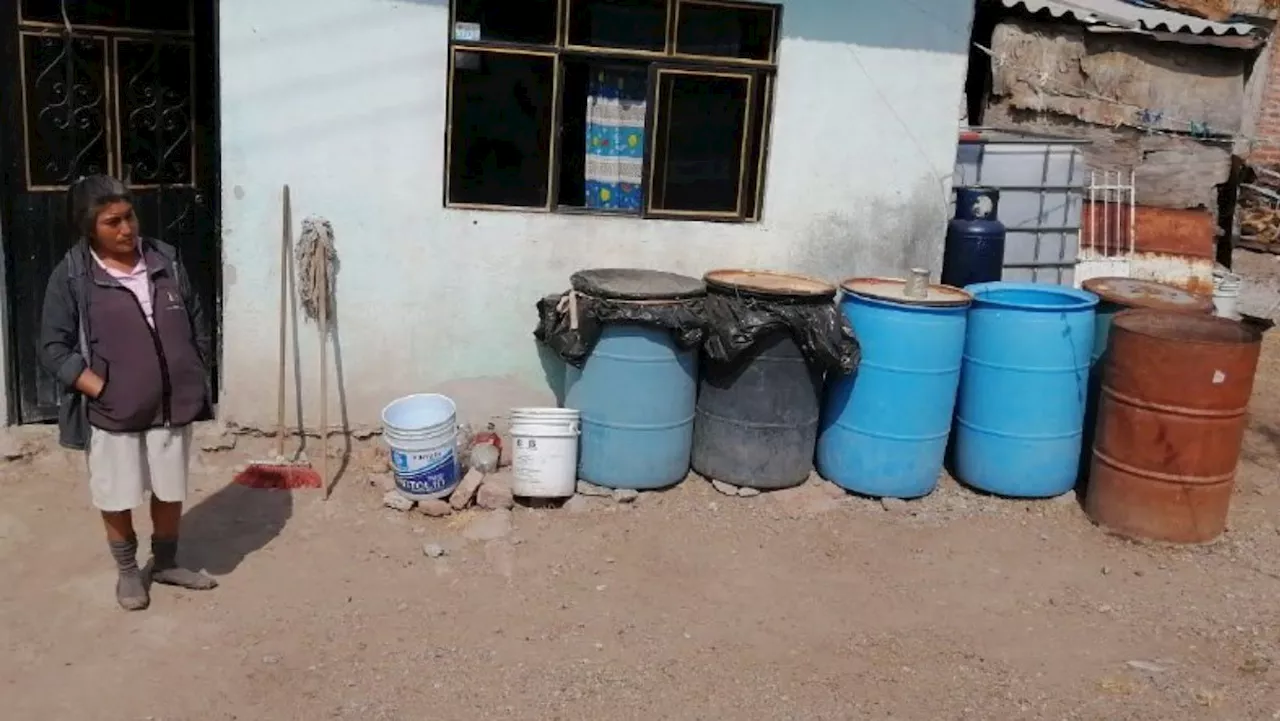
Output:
x,y
422,474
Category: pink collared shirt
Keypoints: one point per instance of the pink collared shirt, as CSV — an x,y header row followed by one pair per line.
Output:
x,y
137,281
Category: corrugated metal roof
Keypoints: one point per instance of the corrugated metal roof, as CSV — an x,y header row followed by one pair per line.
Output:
x,y
1124,15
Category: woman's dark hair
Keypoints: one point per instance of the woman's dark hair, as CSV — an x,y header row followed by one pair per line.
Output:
x,y
88,196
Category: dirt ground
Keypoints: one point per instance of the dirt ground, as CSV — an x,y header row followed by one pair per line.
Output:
x,y
684,605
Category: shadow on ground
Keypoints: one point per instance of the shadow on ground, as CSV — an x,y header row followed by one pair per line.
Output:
x,y
225,528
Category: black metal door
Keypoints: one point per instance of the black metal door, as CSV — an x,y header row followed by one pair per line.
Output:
x,y
126,87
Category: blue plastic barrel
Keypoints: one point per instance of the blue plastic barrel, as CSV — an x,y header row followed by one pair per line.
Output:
x,y
884,428
1023,390
637,390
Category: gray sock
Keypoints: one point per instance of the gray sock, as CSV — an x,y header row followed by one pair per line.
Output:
x,y
126,554
165,568
131,591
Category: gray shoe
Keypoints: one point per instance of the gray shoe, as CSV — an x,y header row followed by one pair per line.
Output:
x,y
183,578
165,569
131,592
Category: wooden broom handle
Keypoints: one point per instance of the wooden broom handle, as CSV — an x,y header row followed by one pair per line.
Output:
x,y
324,365
284,311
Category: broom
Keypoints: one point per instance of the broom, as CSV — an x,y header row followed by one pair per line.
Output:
x,y
281,473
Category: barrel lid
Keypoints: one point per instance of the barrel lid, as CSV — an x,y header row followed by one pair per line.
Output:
x,y
893,290
769,283
636,284
1134,293
1186,328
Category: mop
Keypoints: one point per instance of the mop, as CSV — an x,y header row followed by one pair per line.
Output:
x,y
318,268
281,473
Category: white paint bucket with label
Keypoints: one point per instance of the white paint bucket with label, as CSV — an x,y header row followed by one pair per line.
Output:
x,y
422,432
544,460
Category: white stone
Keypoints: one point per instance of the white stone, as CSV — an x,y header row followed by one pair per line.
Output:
x,y
397,502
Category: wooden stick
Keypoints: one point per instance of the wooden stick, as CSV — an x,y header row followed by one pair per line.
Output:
x,y
284,314
323,286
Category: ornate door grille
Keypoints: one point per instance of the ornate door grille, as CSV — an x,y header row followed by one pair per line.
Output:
x,y
106,99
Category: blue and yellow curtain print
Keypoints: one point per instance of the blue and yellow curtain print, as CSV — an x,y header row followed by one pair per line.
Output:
x,y
615,139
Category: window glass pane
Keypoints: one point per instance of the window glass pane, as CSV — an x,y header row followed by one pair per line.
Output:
x,y
526,21
602,134
730,31
169,15
758,148
500,122
621,24
697,163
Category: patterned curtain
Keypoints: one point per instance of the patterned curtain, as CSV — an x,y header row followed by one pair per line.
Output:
x,y
615,139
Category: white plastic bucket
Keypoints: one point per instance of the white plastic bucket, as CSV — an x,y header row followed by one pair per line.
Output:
x,y
421,431
1226,295
544,461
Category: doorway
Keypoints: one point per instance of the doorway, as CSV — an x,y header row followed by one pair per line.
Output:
x,y
124,87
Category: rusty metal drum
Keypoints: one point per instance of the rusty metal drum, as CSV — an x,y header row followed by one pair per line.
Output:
x,y
1171,420
1116,295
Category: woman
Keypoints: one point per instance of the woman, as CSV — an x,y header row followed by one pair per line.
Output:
x,y
124,335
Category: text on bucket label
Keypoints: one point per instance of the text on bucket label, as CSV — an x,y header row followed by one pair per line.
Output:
x,y
427,472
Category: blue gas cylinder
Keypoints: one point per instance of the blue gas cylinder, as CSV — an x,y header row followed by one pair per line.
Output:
x,y
975,239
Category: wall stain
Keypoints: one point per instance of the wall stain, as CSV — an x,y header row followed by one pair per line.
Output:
x,y
887,237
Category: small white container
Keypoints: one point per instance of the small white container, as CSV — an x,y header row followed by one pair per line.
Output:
x,y
1226,295
544,460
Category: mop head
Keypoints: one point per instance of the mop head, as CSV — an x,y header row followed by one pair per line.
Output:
x,y
316,244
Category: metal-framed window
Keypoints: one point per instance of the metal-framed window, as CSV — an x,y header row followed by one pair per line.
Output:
x,y
649,108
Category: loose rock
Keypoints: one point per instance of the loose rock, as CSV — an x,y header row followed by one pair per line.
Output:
x,y
577,505
435,508
591,489
11,448
485,457
466,490
433,550
626,495
495,494
397,502
724,488
489,527
745,492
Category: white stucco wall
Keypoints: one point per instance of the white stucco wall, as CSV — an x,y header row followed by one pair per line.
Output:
x,y
345,101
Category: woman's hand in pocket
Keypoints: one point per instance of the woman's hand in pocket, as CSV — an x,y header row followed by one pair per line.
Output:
x,y
91,384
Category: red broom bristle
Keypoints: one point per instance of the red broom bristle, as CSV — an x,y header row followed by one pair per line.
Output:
x,y
278,478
